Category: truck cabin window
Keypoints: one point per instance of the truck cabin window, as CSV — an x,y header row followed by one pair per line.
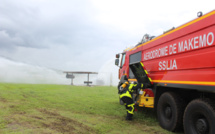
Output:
x,y
123,60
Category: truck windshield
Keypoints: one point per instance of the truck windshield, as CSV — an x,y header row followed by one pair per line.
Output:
x,y
123,60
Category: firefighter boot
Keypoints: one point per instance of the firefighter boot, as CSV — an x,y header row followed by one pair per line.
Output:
x,y
129,117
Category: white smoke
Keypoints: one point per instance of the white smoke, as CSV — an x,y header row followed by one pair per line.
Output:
x,y
17,72
108,74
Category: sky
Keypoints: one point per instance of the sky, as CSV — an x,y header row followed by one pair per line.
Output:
x,y
85,35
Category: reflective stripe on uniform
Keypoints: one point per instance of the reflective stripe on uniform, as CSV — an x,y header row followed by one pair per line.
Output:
x,y
131,86
131,108
127,94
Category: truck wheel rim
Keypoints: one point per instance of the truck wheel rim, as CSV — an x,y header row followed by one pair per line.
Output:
x,y
201,126
168,112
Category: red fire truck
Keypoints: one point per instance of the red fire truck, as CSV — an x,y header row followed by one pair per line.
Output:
x,y
178,71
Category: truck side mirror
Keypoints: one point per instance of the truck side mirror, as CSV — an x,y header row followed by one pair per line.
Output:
x,y
117,62
117,56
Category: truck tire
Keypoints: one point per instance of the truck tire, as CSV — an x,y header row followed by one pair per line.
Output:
x,y
170,111
199,117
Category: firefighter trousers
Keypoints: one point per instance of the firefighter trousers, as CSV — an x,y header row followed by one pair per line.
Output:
x,y
129,105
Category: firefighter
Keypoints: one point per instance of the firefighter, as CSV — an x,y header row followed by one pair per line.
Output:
x,y
125,90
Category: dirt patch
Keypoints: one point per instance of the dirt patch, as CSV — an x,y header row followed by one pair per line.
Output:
x,y
63,124
46,122
25,96
50,113
3,99
37,117
12,106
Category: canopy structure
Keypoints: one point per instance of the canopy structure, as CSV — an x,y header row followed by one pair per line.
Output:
x,y
70,75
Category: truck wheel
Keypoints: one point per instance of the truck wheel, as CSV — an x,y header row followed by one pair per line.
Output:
x,y
170,110
199,117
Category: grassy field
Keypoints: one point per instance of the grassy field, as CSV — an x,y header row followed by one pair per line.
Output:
x,y
56,109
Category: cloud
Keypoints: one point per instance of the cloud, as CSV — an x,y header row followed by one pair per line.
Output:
x,y
9,40
40,25
83,35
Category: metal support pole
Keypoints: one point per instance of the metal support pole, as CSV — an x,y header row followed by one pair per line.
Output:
x,y
88,78
72,80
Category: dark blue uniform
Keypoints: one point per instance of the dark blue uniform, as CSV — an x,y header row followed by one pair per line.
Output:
x,y
126,96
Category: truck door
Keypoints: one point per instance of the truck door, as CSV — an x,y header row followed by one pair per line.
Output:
x,y
122,67
140,74
134,58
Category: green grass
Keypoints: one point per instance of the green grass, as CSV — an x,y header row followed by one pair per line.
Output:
x,y
56,109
